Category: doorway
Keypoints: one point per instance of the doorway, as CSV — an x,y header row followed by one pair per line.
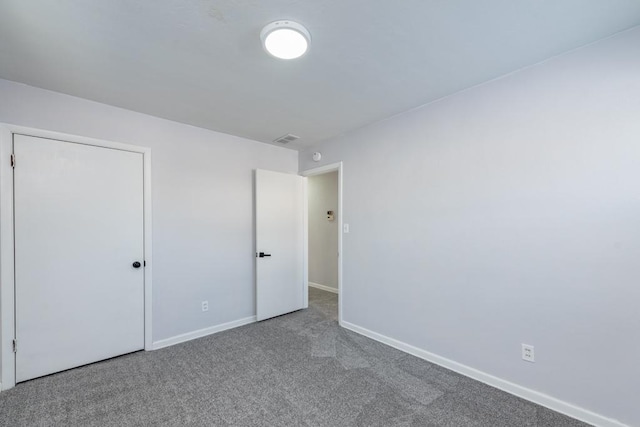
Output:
x,y
324,211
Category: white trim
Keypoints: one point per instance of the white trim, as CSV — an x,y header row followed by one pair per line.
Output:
x,y
202,332
305,244
319,171
148,252
7,298
504,385
323,287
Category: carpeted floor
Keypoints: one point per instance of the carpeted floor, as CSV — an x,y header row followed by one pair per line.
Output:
x,y
295,370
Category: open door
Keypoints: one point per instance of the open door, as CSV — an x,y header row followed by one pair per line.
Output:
x,y
280,240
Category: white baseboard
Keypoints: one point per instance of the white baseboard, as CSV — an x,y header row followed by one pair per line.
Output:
x,y
504,385
323,287
202,333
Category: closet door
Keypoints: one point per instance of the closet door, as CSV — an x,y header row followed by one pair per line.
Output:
x,y
78,254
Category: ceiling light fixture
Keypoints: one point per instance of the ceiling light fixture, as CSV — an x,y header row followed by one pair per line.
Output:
x,y
285,39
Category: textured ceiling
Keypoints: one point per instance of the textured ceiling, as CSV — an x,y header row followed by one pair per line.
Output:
x,y
200,61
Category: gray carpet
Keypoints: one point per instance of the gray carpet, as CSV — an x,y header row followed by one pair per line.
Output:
x,y
296,370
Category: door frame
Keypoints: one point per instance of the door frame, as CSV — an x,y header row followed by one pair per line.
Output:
x,y
7,254
332,167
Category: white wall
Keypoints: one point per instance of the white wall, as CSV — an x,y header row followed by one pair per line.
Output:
x,y
202,189
323,234
506,214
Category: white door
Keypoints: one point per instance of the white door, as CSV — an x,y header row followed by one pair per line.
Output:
x,y
280,239
78,232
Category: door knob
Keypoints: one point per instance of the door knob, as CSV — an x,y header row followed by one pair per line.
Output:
x,y
262,255
136,264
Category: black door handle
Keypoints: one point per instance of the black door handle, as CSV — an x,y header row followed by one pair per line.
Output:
x,y
262,255
136,264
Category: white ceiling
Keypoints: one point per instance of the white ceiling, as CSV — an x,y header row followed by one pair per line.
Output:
x,y
201,61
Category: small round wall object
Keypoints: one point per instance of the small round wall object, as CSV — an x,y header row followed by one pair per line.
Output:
x,y
317,156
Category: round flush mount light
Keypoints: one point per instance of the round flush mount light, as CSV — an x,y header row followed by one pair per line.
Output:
x,y
285,39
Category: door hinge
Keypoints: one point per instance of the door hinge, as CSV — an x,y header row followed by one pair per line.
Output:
x,y
15,346
13,160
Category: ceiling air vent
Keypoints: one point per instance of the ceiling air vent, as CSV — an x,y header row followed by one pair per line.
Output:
x,y
285,139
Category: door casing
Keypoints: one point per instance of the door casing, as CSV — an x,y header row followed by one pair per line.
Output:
x,y
7,274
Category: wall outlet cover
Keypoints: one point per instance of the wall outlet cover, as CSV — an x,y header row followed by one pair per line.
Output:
x,y
528,353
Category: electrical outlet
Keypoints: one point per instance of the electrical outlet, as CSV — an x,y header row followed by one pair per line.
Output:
x,y
205,305
527,353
